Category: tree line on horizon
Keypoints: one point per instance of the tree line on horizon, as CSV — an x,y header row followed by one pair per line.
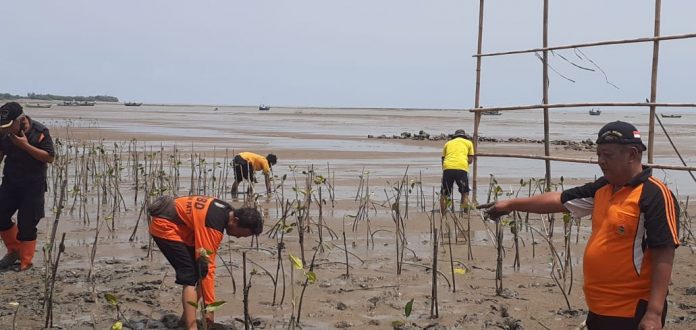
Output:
x,y
51,97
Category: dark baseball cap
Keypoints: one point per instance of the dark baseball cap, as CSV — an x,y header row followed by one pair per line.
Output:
x,y
620,132
459,132
8,113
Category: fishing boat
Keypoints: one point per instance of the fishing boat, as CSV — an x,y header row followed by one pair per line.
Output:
x,y
133,104
492,113
38,105
595,112
264,107
669,116
76,103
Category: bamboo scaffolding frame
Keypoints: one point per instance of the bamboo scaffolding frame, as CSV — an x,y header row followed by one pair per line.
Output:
x,y
592,44
653,82
580,160
580,105
545,95
477,98
651,103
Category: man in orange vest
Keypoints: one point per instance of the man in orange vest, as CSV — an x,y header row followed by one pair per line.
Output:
x,y
635,230
188,230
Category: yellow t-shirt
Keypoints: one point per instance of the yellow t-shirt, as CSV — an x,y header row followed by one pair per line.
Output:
x,y
456,153
258,162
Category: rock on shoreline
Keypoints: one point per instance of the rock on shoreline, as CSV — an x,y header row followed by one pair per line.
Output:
x,y
584,145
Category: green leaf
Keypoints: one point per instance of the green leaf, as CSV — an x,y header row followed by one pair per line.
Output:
x,y
118,325
214,306
296,262
311,276
111,299
460,271
194,304
408,308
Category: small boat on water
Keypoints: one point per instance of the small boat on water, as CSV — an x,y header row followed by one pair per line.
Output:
x,y
133,104
669,116
38,105
264,107
595,112
492,113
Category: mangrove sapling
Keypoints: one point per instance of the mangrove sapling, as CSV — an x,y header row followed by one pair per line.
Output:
x,y
247,285
49,297
203,308
14,314
398,218
112,300
568,262
331,185
449,243
500,251
345,246
48,247
310,278
555,259
434,310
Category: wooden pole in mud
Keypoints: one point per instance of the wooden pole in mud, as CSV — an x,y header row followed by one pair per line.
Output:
x,y
653,82
477,102
545,99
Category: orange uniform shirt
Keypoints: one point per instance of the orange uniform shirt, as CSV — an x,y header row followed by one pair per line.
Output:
x,y
626,224
201,223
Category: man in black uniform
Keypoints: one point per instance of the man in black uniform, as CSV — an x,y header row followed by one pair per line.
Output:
x,y
27,148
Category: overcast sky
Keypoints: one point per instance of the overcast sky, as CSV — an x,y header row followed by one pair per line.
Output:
x,y
362,53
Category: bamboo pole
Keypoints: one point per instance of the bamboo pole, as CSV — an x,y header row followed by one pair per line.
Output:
x,y
664,130
586,104
477,100
545,100
653,82
581,160
592,44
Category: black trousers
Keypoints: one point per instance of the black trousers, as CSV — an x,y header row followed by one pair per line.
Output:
x,y
27,200
242,169
601,322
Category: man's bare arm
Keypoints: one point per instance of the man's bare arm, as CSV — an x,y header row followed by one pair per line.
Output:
x,y
661,262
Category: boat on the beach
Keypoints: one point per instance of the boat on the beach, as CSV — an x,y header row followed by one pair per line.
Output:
x,y
669,116
492,113
78,104
38,105
264,107
133,104
595,112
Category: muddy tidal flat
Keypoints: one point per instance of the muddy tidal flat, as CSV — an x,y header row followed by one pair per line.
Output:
x,y
331,182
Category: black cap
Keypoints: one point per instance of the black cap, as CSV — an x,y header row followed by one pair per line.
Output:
x,y
620,132
460,133
8,113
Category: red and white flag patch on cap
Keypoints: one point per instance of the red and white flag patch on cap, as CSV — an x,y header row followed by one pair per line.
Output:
x,y
636,134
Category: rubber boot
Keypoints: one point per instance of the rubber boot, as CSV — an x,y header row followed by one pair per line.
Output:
x,y
26,254
9,237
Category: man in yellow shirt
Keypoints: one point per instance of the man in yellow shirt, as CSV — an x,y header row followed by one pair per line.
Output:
x,y
246,163
457,154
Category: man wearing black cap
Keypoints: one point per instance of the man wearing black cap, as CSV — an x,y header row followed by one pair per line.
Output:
x,y
628,259
457,154
27,148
